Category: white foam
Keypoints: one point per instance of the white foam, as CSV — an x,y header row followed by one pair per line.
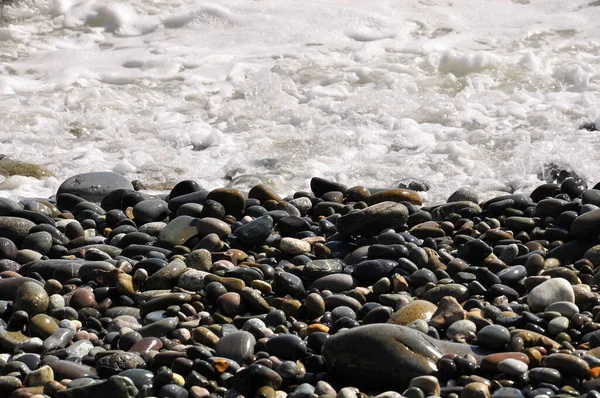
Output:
x,y
236,92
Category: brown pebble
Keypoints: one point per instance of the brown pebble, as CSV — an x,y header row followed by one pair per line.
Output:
x,y
205,336
82,298
314,306
52,387
52,286
316,327
490,362
449,311
262,286
229,303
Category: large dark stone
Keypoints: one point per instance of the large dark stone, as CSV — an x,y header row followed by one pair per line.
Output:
x,y
94,186
387,356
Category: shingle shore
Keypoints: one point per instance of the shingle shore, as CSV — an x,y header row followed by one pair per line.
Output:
x,y
337,291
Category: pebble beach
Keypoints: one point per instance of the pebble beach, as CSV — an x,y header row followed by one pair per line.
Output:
x,y
334,291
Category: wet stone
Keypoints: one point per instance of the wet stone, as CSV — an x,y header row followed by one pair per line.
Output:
x,y
237,346
31,298
418,309
256,231
114,364
373,219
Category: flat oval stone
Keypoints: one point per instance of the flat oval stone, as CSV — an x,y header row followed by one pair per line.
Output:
x,y
395,195
172,391
287,346
9,286
71,370
568,365
94,186
159,328
209,225
263,193
82,298
59,339
146,344
8,249
336,283
551,291
237,346
435,294
386,355
42,326
229,303
565,308
40,242
512,367
373,219
163,301
178,231
254,299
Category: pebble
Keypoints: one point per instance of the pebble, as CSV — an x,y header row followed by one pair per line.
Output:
x,y
31,298
551,291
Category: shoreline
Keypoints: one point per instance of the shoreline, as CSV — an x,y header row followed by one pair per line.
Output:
x,y
326,292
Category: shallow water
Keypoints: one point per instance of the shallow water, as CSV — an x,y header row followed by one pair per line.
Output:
x,y
458,93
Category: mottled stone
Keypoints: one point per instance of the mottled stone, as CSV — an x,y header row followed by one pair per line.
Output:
x,y
39,377
15,228
192,280
31,298
293,246
114,364
418,309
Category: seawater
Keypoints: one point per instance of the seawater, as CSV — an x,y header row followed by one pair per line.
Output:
x,y
451,93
